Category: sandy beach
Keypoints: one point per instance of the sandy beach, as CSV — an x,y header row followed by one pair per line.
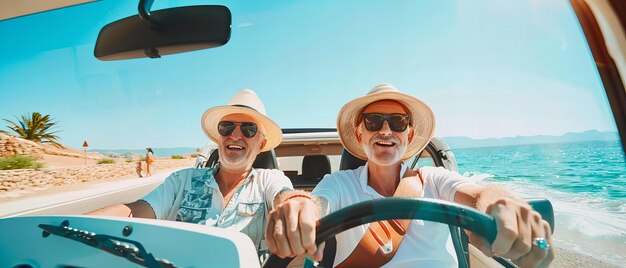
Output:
x,y
569,258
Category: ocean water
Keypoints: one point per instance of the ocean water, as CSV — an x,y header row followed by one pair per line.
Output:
x,y
158,152
586,183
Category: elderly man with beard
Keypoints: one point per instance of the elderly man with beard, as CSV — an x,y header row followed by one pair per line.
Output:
x,y
386,127
233,194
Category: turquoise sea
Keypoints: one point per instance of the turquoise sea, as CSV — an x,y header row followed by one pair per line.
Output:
x,y
586,183
158,152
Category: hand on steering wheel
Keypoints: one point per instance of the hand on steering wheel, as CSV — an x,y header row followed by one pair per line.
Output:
x,y
398,208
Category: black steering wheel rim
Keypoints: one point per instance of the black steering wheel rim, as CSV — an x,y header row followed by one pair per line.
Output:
x,y
398,208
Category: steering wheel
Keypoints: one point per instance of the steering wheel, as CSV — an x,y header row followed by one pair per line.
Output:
x,y
398,208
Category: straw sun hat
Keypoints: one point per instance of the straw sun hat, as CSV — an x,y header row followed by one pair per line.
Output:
x,y
248,103
422,119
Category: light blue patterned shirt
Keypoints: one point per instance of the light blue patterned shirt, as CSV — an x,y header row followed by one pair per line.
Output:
x,y
192,195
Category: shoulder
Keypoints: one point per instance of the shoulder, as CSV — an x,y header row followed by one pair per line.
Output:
x,y
272,179
350,173
440,175
268,173
349,176
436,172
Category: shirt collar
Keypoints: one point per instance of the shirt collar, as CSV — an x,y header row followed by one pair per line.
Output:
x,y
364,176
211,182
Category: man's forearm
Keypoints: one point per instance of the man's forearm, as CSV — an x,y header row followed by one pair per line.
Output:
x,y
491,194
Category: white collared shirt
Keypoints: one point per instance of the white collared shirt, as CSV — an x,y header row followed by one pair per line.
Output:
x,y
426,244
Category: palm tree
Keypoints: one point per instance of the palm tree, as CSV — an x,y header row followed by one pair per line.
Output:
x,y
36,128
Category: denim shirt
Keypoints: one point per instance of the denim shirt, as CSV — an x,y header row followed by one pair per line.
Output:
x,y
192,195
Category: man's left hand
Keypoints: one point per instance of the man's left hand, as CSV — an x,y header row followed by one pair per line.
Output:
x,y
523,236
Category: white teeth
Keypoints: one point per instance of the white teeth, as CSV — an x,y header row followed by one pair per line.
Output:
x,y
235,147
385,143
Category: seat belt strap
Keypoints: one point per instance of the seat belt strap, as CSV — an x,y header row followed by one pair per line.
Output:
x,y
382,239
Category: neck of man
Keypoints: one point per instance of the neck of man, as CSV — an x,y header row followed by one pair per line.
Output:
x,y
383,179
228,179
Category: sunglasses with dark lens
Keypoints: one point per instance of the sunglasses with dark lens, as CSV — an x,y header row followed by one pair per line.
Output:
x,y
375,121
248,129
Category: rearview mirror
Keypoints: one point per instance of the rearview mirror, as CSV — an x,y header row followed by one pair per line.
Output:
x,y
164,32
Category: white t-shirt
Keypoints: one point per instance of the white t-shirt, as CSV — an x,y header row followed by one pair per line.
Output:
x,y
426,244
192,195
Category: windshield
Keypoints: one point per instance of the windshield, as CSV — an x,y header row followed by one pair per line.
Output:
x,y
513,86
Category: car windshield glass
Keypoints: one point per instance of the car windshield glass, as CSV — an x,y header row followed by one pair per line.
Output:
x,y
513,86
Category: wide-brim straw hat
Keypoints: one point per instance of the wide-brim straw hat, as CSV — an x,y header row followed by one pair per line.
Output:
x,y
422,119
248,103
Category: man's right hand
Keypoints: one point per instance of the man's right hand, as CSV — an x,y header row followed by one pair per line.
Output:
x,y
291,229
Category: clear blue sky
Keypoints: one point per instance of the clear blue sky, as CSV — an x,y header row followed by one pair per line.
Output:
x,y
487,68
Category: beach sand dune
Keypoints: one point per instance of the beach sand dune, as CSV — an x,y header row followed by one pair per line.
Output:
x,y
568,258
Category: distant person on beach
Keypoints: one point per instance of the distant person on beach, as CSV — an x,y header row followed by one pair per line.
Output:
x,y
149,161
231,195
138,168
385,128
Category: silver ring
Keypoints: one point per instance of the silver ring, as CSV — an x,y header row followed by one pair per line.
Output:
x,y
541,243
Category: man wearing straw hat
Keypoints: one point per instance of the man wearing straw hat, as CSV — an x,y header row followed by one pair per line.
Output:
x,y
386,127
232,195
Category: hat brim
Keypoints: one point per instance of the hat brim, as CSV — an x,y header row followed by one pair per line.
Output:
x,y
423,121
212,116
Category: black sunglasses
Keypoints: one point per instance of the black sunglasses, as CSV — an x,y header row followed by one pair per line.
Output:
x,y
248,129
397,122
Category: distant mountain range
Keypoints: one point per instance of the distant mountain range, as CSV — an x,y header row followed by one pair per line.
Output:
x,y
589,135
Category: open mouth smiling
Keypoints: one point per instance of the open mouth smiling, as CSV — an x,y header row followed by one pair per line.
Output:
x,y
385,143
235,147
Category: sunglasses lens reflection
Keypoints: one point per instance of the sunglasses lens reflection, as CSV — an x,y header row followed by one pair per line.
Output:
x,y
248,129
373,122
